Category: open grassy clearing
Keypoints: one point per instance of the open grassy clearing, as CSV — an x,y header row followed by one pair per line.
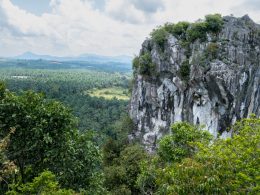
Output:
x,y
110,93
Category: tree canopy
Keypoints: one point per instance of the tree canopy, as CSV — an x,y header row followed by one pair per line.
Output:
x,y
224,166
42,136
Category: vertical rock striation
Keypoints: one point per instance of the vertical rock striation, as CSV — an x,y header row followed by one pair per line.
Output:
x,y
223,84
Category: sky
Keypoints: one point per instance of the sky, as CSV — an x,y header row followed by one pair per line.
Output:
x,y
104,27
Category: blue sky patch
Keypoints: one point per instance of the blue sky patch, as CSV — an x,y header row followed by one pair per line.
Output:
x,y
37,7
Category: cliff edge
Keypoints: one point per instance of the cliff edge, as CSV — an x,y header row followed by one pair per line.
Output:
x,y
206,73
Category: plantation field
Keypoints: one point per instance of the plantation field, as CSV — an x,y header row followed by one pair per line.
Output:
x,y
110,93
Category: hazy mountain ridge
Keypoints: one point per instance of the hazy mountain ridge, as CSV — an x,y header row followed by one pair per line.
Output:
x,y
83,57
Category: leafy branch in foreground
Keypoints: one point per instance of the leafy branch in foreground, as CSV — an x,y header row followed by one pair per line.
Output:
x,y
45,137
226,166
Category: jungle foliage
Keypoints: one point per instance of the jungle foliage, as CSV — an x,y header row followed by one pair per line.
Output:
x,y
188,163
73,87
39,134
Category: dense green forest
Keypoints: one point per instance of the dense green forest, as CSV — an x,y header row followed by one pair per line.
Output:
x,y
72,86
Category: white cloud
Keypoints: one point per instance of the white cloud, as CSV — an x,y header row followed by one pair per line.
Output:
x,y
124,11
133,11
74,27
23,22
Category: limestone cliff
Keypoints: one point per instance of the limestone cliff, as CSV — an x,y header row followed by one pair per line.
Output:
x,y
221,82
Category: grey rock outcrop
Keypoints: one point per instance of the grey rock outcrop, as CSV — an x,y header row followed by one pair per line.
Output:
x,y
218,92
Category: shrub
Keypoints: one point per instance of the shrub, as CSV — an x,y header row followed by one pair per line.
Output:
x,y
136,63
147,67
214,22
197,31
180,28
169,27
159,36
185,70
212,50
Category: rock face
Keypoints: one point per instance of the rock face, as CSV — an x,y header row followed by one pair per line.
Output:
x,y
220,89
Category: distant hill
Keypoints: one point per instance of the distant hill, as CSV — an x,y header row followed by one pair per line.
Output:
x,y
31,62
84,58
